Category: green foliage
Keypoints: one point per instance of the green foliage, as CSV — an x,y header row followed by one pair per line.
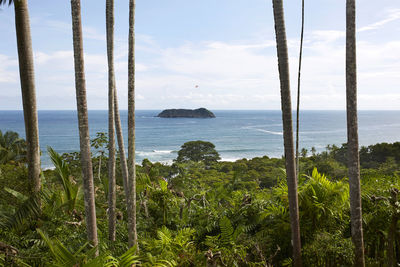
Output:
x,y
128,259
198,151
29,209
226,230
99,141
62,255
370,156
374,155
328,250
85,256
190,213
226,244
13,177
170,249
12,148
323,202
71,194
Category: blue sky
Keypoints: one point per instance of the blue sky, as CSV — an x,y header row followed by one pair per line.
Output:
x,y
226,47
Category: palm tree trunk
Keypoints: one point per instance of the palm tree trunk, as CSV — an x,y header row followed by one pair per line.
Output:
x,y
352,134
27,78
84,138
99,167
121,146
131,129
298,91
283,63
391,247
111,135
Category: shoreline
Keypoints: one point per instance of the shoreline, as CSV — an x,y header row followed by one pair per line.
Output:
x,y
170,162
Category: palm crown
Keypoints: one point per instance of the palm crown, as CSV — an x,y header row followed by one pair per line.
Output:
x,y
3,2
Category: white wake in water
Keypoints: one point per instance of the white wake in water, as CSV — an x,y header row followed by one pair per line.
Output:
x,y
262,130
155,152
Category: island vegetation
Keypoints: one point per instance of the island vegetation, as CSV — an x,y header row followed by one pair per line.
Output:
x,y
186,113
199,211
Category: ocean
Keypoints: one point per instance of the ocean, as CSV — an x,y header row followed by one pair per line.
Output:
x,y
236,134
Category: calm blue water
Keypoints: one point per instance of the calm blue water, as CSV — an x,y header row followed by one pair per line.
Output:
x,y
236,134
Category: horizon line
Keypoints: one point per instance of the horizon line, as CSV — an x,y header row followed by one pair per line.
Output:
x,y
293,110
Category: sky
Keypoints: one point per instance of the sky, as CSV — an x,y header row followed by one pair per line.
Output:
x,y
218,54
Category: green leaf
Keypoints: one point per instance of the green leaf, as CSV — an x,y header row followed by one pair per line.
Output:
x,y
16,194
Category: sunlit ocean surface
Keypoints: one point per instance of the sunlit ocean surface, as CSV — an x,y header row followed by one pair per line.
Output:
x,y
236,134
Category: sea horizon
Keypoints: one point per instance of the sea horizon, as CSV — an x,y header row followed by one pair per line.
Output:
x,y
293,110
236,134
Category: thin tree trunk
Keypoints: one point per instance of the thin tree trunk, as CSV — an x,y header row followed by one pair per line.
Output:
x,y
84,138
131,129
352,134
283,63
99,168
27,78
391,258
111,135
391,252
121,146
397,248
298,91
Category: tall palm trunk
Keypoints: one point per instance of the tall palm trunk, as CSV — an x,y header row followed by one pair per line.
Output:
x,y
352,134
111,135
27,77
298,91
131,128
121,146
283,63
84,138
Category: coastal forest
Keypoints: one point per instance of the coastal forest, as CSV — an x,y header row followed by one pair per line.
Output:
x,y
199,211
100,207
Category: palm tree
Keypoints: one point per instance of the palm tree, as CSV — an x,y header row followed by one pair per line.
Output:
x,y
298,91
27,78
121,146
111,135
352,134
131,128
84,138
283,63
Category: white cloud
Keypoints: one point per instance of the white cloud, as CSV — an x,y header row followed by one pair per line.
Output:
x,y
245,75
229,75
42,58
93,33
7,69
327,36
391,15
87,31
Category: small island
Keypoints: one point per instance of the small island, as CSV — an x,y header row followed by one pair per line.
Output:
x,y
186,113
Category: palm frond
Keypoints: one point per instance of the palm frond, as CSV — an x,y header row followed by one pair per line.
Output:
x,y
71,190
29,209
3,2
16,194
61,254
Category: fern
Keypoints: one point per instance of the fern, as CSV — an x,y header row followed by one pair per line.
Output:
x,y
129,258
165,236
227,230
